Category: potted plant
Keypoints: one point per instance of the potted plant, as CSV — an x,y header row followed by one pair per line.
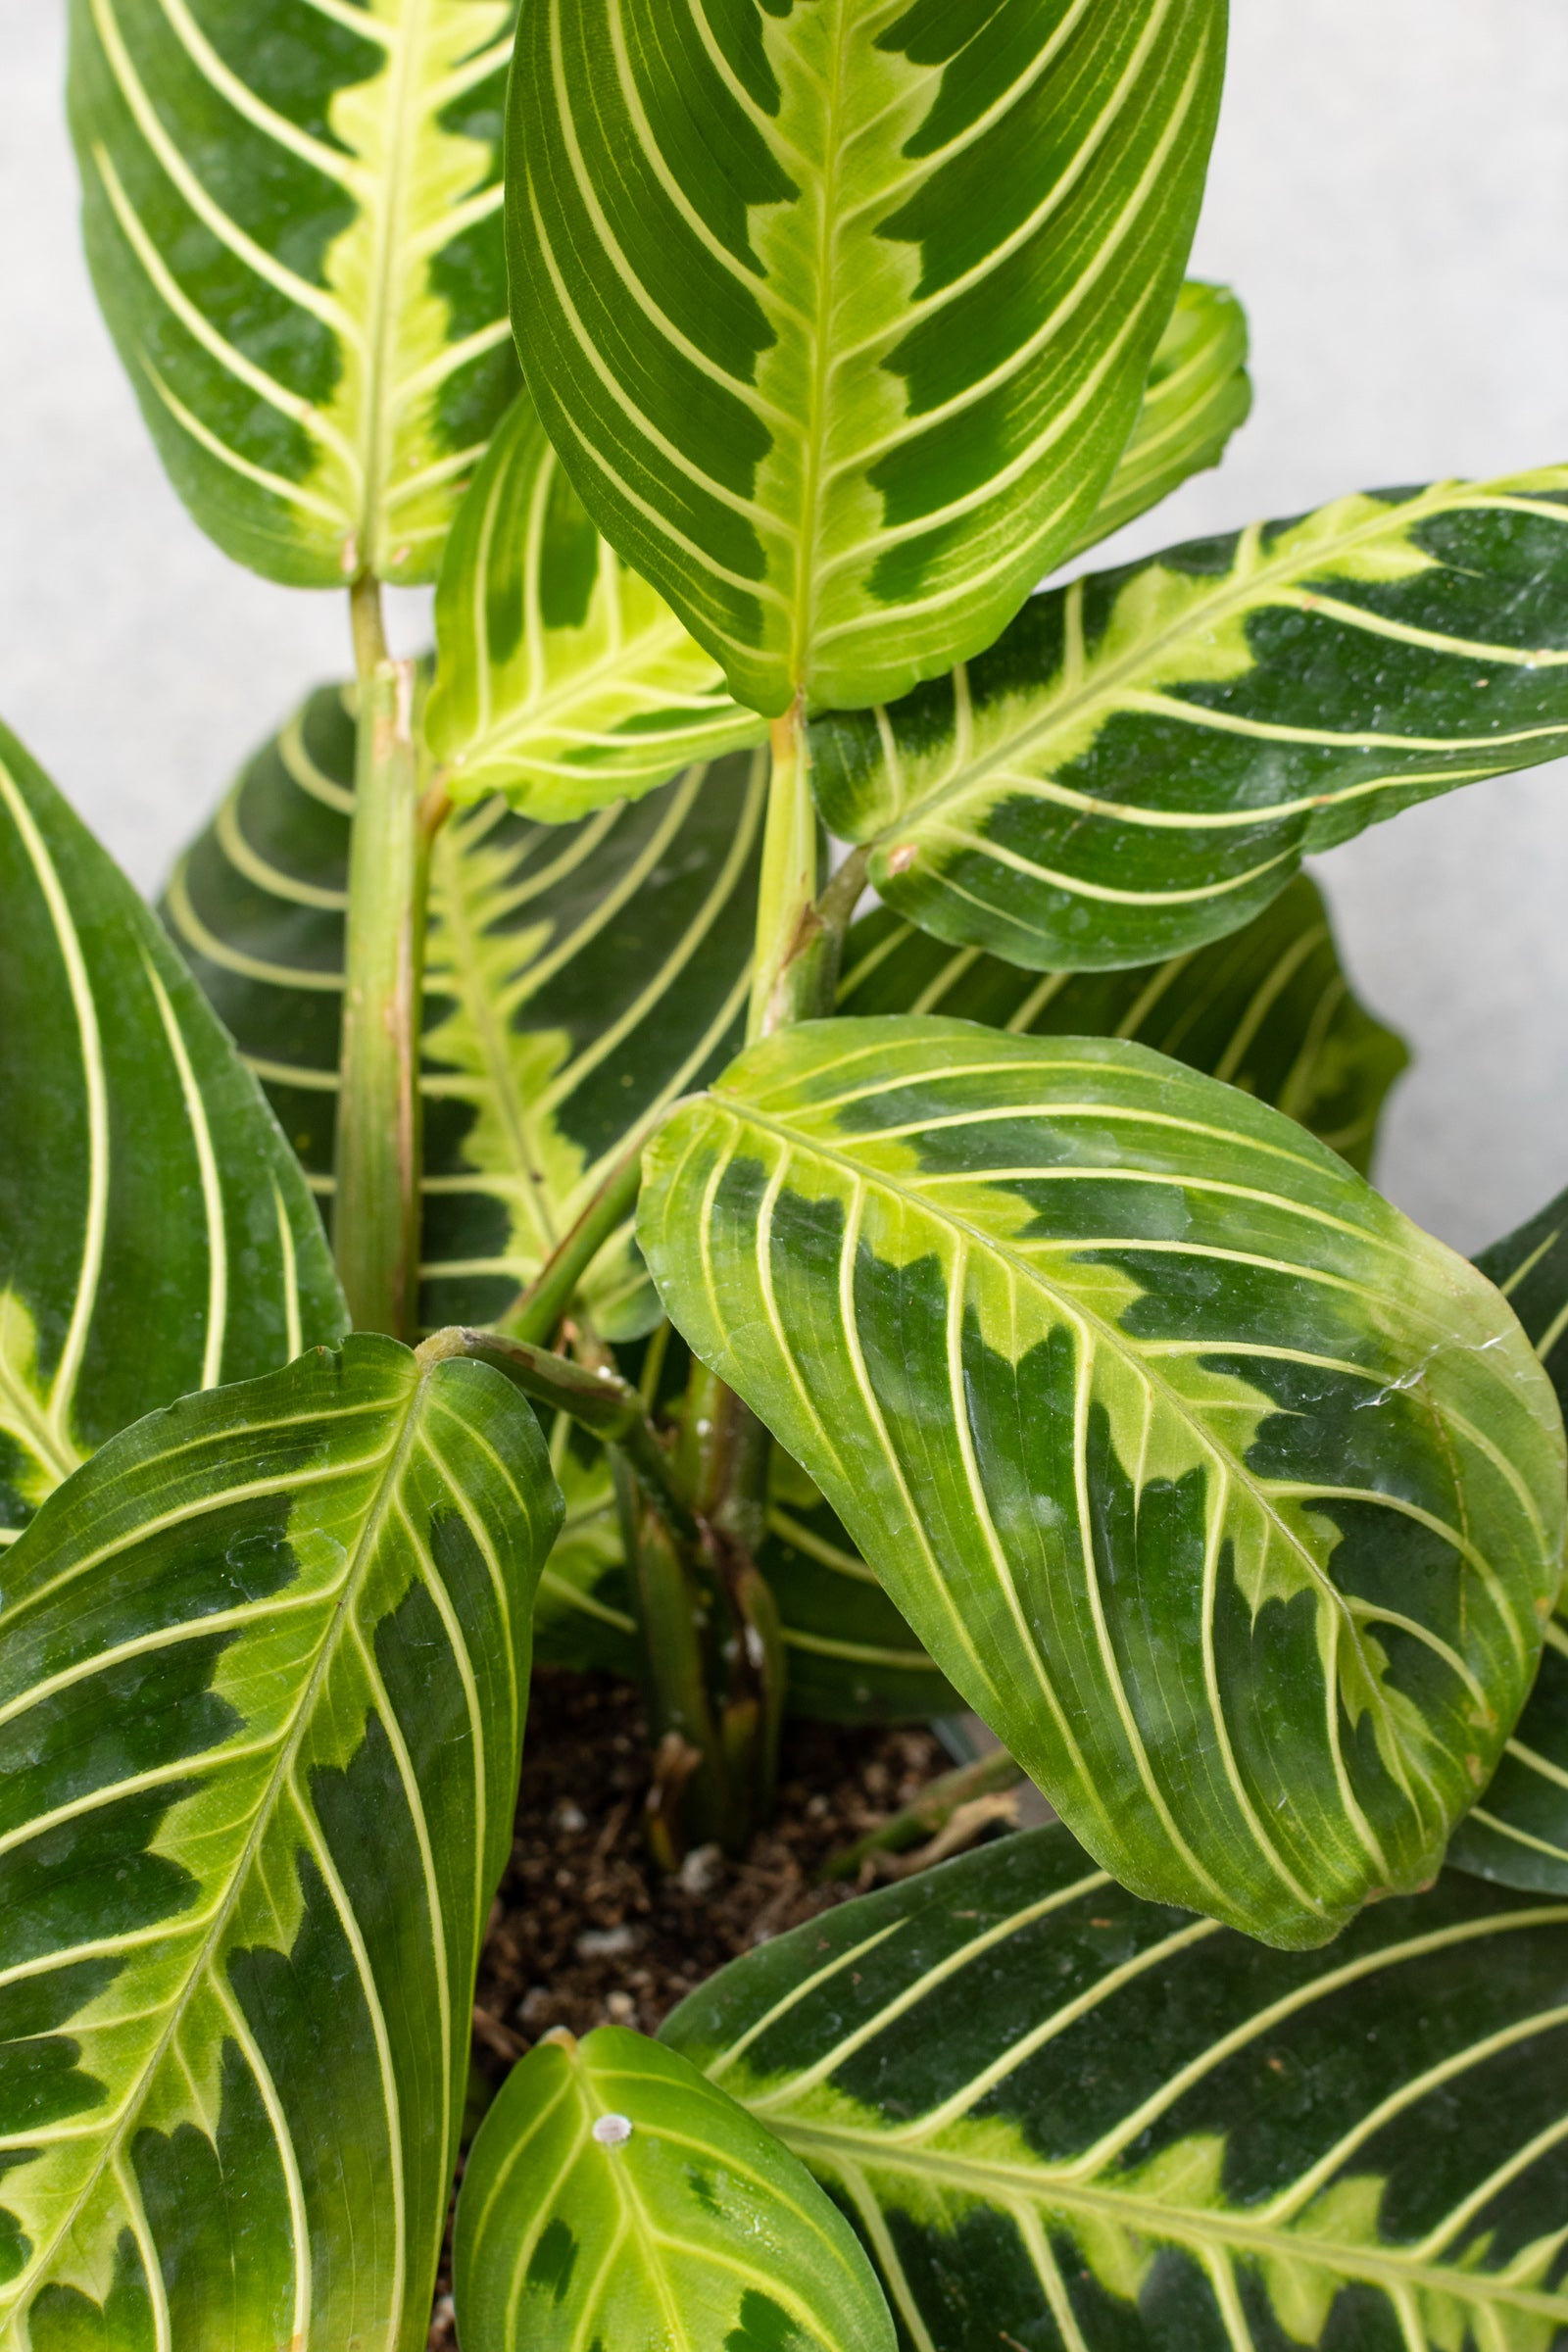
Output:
x,y
793,1307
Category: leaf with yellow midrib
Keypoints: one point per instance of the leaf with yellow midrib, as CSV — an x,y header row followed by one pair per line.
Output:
x,y
1060,2116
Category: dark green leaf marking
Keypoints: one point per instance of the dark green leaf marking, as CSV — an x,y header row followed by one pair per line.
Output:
x,y
1233,1502
263,1665
1064,2119
841,314
1268,1008
1139,763
155,1234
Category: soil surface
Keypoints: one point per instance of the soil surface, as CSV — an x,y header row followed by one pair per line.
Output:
x,y
586,1933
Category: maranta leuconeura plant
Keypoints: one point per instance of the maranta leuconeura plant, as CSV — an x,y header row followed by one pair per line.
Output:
x,y
778,1117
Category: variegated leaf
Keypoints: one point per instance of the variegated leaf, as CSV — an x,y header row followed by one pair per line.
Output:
x,y
1198,393
257,904
1529,1267
851,1656
614,2197
564,680
292,213
583,1617
263,1670
1067,2119
578,980
1141,762
1518,1832
155,1235
1233,1502
1269,1010
840,311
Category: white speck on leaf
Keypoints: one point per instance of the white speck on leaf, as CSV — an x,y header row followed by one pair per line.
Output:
x,y
613,2131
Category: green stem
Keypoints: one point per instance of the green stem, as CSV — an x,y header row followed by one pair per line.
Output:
x,y
548,1296
787,891
376,1215
726,1449
723,1459
687,1803
594,1395
752,1714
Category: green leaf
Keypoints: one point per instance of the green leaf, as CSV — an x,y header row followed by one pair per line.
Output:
x,y
565,682
1529,1267
1198,393
155,1235
1233,1502
1518,1834
1143,759
851,1656
1269,1010
578,980
583,1617
263,1670
1066,2119
293,218
582,979
841,314
613,2197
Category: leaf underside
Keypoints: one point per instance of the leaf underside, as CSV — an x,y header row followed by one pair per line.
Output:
x,y
1230,1500
1268,1008
1139,763
1064,2119
293,220
690,2224
841,314
262,1673
1518,1832
155,1234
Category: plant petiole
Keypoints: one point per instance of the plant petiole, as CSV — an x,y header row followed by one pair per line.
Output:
x,y
596,1397
549,1296
375,1226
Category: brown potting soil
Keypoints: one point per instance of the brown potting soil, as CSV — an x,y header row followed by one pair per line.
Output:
x,y
586,1933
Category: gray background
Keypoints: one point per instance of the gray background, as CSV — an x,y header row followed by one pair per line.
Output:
x,y
1390,196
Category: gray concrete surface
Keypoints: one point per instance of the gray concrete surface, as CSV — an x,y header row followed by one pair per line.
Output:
x,y
1390,196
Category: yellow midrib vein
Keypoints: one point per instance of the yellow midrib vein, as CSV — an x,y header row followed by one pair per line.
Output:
x,y
288,1748
1238,595
1013,2185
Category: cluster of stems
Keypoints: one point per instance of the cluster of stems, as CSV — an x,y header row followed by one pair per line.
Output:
x,y
690,1480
